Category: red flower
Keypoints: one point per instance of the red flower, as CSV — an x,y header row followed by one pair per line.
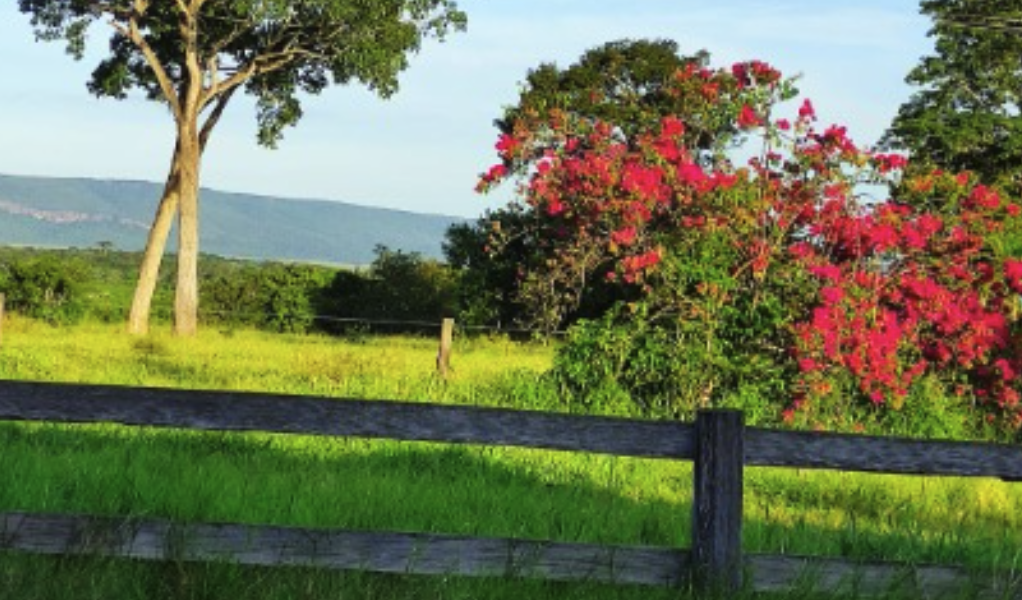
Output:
x,y
506,145
691,173
806,111
832,295
1007,373
1013,273
747,118
623,237
554,207
890,162
672,126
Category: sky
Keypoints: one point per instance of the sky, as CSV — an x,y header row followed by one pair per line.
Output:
x,y
422,150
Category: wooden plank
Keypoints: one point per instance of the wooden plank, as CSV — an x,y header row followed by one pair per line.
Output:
x,y
717,503
771,574
807,449
243,411
381,552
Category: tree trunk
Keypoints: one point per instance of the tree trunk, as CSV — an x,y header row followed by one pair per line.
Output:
x,y
186,296
180,197
138,318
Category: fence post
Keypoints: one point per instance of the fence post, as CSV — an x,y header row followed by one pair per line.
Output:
x,y
3,306
717,506
443,357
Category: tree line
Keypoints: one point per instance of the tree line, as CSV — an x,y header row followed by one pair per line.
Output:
x,y
394,293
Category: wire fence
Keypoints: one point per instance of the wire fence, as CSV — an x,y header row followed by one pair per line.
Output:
x,y
394,324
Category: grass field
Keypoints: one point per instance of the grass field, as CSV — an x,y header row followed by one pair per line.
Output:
x,y
381,485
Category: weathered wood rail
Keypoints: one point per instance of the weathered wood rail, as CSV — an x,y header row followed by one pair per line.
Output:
x,y
718,443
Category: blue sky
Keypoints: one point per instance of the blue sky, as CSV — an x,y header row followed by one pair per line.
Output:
x,y
422,149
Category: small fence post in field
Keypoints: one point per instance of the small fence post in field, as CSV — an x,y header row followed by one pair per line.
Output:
x,y
3,306
717,505
443,357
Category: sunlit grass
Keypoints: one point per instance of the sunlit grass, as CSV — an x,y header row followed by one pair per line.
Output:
x,y
398,368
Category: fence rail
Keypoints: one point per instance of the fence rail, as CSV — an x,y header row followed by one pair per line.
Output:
x,y
718,443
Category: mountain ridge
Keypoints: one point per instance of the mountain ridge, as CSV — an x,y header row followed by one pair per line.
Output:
x,y
82,212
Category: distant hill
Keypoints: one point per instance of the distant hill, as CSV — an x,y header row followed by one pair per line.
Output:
x,y
44,211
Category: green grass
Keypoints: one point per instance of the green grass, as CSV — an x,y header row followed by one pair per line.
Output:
x,y
385,485
489,372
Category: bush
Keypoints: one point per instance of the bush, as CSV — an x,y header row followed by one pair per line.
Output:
x,y
45,288
275,297
397,287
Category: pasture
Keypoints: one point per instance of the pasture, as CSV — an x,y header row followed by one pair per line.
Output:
x,y
420,487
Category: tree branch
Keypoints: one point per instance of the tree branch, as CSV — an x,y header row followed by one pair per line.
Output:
x,y
133,33
214,117
260,65
188,28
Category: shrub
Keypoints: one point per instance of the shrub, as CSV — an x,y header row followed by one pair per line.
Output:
x,y
275,297
45,288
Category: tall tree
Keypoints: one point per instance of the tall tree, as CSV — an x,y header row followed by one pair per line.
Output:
x,y
967,112
195,55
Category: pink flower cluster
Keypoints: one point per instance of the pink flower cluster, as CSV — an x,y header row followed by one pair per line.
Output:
x,y
904,291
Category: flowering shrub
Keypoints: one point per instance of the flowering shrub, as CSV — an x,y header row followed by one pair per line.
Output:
x,y
905,291
769,285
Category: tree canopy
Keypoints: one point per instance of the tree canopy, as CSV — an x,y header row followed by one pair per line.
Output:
x,y
273,49
623,82
967,112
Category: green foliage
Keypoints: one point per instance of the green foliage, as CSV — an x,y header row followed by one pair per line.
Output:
x,y
731,352
965,115
44,288
398,286
280,297
623,82
489,279
277,297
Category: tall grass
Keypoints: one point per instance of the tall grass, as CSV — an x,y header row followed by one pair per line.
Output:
x,y
384,485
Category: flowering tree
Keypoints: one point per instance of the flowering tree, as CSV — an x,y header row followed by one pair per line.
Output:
x,y
770,284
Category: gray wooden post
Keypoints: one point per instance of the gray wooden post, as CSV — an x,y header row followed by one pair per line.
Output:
x,y
443,357
717,506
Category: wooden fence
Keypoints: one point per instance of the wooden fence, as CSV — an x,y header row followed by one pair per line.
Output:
x,y
718,443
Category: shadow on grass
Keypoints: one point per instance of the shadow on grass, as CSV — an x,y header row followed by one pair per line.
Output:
x,y
342,483
364,485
